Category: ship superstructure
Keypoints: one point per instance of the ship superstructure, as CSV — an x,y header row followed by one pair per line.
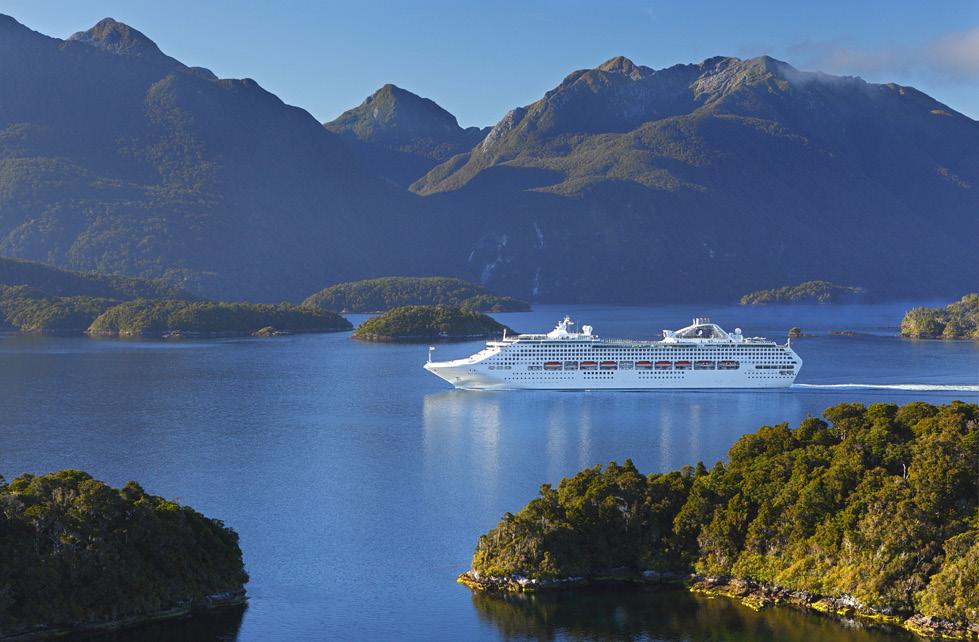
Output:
x,y
701,355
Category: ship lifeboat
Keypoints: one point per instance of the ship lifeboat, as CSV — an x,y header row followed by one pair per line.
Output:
x,y
664,365
552,365
608,365
570,365
682,365
644,365
728,365
625,365
589,365
703,365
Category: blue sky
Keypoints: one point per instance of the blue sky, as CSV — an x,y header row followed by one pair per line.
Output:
x,y
480,59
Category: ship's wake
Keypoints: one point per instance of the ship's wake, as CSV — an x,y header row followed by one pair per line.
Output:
x,y
916,387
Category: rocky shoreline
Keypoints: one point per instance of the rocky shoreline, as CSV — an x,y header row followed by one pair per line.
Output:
x,y
182,609
752,594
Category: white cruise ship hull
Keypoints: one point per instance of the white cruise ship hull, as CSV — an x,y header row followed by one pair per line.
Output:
x,y
700,356
475,378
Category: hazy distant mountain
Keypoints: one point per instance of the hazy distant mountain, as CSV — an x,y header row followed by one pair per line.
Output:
x,y
402,136
703,181
622,184
116,157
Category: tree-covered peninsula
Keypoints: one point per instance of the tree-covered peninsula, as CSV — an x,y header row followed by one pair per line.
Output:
x,y
76,554
412,323
146,317
959,320
380,295
806,292
873,511
35,297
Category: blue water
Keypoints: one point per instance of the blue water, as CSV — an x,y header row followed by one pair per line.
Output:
x,y
359,483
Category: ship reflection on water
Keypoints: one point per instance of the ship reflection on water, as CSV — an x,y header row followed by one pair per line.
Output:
x,y
559,433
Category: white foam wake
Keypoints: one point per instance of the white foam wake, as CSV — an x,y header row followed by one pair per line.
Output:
x,y
919,387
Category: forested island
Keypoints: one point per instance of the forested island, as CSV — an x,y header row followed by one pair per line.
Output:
x,y
415,323
146,317
77,555
35,297
806,292
959,320
380,295
871,512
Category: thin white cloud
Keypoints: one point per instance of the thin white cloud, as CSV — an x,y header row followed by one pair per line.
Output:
x,y
957,53
954,56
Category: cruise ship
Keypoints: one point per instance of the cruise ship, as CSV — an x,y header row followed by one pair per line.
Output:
x,y
701,355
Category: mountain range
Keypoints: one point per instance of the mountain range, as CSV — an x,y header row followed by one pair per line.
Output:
x,y
622,184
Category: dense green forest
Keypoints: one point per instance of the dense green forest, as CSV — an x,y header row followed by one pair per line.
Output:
x,y
30,310
959,320
876,505
75,552
378,295
806,292
35,297
428,323
149,317
57,282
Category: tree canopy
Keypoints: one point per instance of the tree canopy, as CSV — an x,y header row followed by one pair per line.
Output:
x,y
959,320
151,317
428,323
876,503
74,551
378,295
806,292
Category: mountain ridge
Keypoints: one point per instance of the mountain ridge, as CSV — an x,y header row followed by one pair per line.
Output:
x,y
695,182
403,135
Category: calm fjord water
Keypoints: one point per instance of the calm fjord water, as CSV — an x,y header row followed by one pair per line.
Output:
x,y
359,483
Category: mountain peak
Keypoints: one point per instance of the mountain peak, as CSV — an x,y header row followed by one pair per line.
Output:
x,y
117,37
393,112
619,64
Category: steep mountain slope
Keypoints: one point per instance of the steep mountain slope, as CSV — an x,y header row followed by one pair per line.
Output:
x,y
630,184
402,135
116,157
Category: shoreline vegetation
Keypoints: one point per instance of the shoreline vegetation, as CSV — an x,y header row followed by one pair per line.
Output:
x,y
805,292
429,323
958,320
164,318
80,556
38,298
382,294
872,513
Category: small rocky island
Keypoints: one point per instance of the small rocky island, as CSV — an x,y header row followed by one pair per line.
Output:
x,y
79,556
380,295
156,318
806,292
871,513
959,320
427,323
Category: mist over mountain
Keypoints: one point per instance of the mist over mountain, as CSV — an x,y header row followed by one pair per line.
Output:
x,y
622,184
402,135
